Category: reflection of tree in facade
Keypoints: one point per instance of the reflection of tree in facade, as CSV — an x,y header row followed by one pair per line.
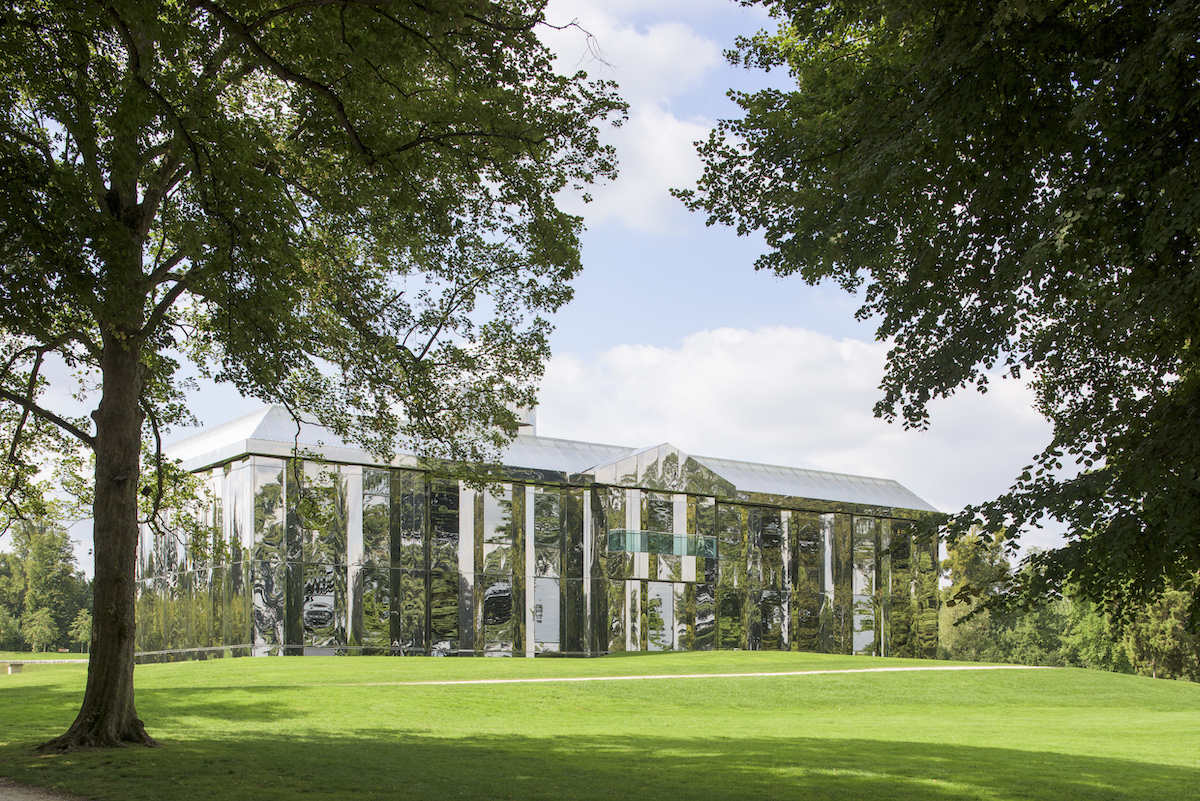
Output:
x,y
547,532
902,639
731,634
376,609
926,594
443,611
377,518
667,570
269,514
321,510
656,627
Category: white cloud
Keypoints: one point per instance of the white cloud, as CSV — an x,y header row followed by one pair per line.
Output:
x,y
795,397
653,64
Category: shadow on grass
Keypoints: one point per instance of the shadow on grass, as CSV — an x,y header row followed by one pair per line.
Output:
x,y
694,765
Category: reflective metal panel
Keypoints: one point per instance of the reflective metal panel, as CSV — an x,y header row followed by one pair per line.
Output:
x,y
772,548
865,532
841,632
443,613
410,620
323,608
806,607
443,527
270,583
617,615
731,624
376,518
572,637
685,614
376,597
322,508
572,533
660,616
408,511
269,510
499,557
866,629
547,532
925,568
731,546
497,623
810,552
547,619
773,614
706,618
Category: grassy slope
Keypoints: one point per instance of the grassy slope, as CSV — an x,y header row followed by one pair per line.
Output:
x,y
339,727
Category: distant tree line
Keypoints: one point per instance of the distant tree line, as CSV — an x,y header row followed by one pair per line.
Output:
x,y
1067,631
45,600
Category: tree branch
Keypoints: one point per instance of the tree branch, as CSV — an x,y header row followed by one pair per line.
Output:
x,y
48,416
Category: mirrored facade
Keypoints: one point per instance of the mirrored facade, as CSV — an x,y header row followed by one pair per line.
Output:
x,y
577,549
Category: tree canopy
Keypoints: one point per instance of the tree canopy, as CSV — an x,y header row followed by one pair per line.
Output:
x,y
345,207
1012,186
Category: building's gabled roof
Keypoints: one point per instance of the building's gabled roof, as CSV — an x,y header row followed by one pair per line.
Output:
x,y
272,431
798,482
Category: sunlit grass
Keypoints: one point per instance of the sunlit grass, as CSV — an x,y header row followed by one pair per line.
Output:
x,y
355,727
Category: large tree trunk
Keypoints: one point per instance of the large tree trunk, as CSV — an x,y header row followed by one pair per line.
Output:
x,y
107,718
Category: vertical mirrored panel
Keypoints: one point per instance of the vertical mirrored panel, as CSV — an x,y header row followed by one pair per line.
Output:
x,y
409,504
547,532
901,607
547,621
617,615
270,588
498,550
573,635
752,534
706,617
376,632
866,628
773,613
376,518
321,609
498,624
219,599
731,624
840,636
270,510
925,585
409,621
443,613
809,552
571,565
685,615
238,613
806,633
635,624
321,507
444,527
773,547
731,546
865,534
239,524
660,616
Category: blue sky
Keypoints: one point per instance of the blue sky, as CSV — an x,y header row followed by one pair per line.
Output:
x,y
674,337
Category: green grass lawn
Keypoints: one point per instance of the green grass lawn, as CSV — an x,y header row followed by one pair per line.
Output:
x,y
351,727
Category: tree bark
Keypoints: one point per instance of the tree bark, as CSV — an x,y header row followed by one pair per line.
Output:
x,y
107,717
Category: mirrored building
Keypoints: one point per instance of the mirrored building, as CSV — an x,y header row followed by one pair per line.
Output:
x,y
312,546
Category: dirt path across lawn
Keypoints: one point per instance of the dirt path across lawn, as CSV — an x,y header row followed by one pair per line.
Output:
x,y
700,675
